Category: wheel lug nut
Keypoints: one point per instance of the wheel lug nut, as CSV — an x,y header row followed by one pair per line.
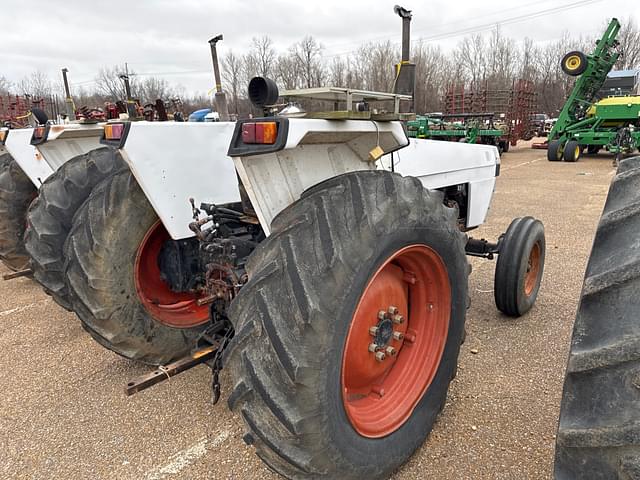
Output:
x,y
380,356
373,330
382,315
398,336
393,310
398,319
391,351
373,347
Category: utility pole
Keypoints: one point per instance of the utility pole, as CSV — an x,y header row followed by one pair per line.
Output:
x,y
221,99
71,111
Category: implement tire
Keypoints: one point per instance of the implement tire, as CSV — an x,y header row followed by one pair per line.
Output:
x,y
554,151
16,194
351,249
50,216
114,280
599,429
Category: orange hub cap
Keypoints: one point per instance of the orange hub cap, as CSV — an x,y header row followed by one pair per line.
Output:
x,y
170,308
395,341
533,268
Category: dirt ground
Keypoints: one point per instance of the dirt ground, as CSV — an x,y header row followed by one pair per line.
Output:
x,y
63,412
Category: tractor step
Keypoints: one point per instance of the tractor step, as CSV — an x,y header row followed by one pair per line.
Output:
x,y
19,273
165,372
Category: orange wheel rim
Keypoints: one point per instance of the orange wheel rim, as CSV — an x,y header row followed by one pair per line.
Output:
x,y
175,309
403,314
533,269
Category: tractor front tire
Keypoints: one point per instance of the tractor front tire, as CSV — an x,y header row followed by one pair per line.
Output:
x,y
572,151
50,216
114,280
16,194
554,151
360,251
519,267
599,429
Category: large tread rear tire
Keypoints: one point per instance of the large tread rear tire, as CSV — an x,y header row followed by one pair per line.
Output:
x,y
16,194
291,320
50,216
599,428
100,254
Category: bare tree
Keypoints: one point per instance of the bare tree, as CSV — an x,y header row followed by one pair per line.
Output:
x,y
37,85
232,75
307,55
629,38
152,88
109,84
5,85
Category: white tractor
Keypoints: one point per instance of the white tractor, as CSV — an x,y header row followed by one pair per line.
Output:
x,y
45,176
325,267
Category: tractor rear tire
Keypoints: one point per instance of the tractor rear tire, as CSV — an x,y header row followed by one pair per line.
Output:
x,y
599,431
505,146
554,151
572,151
50,216
16,194
114,281
309,284
519,267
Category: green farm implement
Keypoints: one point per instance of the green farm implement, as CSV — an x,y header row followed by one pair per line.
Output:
x,y
460,127
584,123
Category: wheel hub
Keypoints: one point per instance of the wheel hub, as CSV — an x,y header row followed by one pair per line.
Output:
x,y
383,333
395,341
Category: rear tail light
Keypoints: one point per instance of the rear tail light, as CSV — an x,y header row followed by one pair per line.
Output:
x,y
39,132
260,132
113,131
3,136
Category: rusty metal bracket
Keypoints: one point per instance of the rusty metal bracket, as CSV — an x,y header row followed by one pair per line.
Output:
x,y
167,371
19,273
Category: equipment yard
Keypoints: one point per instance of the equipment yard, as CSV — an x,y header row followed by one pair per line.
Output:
x,y
64,412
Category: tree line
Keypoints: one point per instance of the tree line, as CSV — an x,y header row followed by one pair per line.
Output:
x,y
491,61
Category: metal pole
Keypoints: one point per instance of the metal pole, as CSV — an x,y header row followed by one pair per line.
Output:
x,y
71,111
406,36
131,111
221,99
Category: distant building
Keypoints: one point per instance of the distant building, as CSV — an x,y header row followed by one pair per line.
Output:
x,y
621,82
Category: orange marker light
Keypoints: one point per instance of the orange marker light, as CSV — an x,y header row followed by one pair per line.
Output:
x,y
266,132
3,136
113,131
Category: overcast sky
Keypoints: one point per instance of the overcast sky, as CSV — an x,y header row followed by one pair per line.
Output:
x,y
161,37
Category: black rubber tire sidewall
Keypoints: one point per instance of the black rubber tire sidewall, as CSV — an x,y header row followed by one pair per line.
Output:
x,y
569,153
554,151
50,216
16,194
304,260
583,63
102,246
511,267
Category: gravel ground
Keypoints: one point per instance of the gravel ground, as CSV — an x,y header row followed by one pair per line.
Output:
x,y
64,414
